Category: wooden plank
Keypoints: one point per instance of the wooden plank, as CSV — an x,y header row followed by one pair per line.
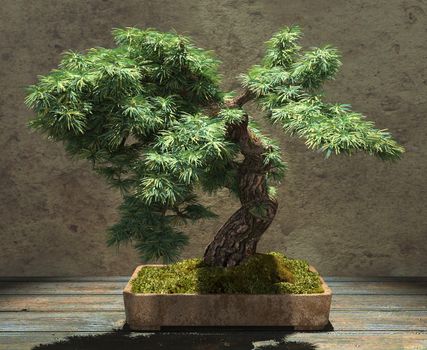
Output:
x,y
105,321
61,321
64,279
361,341
383,288
378,320
77,288
217,340
379,302
49,303
330,279
64,288
27,341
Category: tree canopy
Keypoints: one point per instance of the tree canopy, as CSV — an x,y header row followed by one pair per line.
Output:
x,y
152,118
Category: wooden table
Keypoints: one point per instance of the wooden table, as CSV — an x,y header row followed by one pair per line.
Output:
x,y
367,313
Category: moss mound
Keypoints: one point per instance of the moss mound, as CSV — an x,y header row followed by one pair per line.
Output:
x,y
271,273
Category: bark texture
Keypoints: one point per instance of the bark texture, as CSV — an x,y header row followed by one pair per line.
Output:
x,y
239,236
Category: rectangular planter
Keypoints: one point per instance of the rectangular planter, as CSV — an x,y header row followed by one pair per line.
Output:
x,y
153,311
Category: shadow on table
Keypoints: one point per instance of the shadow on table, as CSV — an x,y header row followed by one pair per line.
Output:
x,y
186,339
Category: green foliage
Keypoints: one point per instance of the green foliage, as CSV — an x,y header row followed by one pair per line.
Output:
x,y
262,80
270,273
315,66
334,128
272,158
287,87
231,115
149,228
283,47
138,112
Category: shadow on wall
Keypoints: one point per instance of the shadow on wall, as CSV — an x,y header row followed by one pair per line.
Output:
x,y
214,340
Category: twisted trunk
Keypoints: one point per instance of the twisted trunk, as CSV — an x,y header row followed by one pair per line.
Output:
x,y
239,236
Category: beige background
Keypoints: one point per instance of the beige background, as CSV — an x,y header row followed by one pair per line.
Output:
x,y
355,216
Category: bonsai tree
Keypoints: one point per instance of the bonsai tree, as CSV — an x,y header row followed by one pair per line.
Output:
x,y
152,118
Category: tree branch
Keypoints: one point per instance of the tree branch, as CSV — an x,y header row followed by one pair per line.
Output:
x,y
237,102
240,100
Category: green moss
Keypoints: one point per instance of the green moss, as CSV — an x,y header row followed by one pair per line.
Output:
x,y
271,273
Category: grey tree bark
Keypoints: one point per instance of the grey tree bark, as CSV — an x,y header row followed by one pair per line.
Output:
x,y
238,237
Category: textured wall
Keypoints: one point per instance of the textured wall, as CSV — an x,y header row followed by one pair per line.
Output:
x,y
355,216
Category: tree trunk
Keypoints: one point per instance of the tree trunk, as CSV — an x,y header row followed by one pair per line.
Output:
x,y
239,236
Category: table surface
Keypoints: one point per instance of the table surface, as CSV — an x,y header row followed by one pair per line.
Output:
x,y
372,313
